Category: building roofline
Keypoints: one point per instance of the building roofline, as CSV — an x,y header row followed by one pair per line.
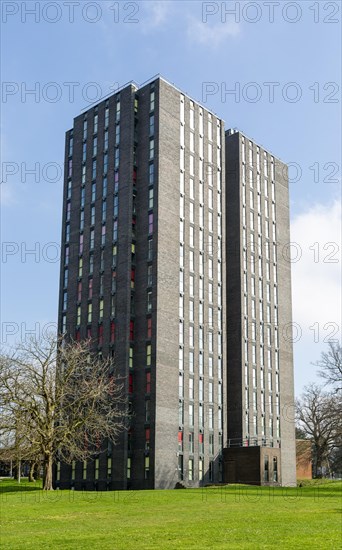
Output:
x,y
160,77
232,131
157,76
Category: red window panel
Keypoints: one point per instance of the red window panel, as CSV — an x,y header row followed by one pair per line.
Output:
x,y
130,383
90,289
147,434
200,438
148,382
89,332
149,328
100,335
132,278
134,175
131,331
180,437
78,335
112,332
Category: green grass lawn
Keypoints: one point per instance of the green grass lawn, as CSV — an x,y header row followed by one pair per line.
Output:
x,y
217,517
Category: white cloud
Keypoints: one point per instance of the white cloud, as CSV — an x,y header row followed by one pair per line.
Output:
x,y
211,35
316,292
155,14
316,276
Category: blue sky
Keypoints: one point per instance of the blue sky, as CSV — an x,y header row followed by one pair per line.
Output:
x,y
198,47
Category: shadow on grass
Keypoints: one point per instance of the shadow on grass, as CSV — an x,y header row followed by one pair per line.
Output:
x,y
11,486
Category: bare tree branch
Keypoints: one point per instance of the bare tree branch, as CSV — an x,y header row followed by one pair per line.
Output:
x,y
331,366
58,400
318,416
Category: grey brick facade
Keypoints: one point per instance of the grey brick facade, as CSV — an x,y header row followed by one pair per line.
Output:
x,y
151,271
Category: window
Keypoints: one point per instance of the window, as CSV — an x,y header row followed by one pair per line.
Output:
x,y
90,312
181,413
148,354
266,468
211,444
191,285
67,233
200,389
66,258
85,127
200,444
147,438
116,206
150,224
211,393
180,385
104,211
130,357
191,311
151,149
101,309
191,336
116,159
112,332
151,174
103,235
106,116
275,468
191,388
180,357
191,469
148,382
131,330
149,302
152,100
210,366
180,467
151,125
192,118
150,198
115,230
211,418
191,362
191,414
191,260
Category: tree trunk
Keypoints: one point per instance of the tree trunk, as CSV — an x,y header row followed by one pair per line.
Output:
x,y
32,470
17,470
37,470
319,461
47,482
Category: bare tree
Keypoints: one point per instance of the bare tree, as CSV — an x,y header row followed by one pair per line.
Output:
x,y
60,400
318,416
331,366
